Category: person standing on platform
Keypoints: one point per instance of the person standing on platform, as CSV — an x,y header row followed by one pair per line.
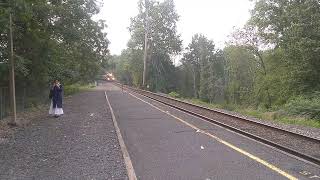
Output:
x,y
56,99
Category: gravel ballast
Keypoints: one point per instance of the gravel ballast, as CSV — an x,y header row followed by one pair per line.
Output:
x,y
82,144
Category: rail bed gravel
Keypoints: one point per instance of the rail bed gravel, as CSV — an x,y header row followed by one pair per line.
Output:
x,y
298,129
306,131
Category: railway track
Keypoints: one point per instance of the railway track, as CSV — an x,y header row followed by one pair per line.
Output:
x,y
301,146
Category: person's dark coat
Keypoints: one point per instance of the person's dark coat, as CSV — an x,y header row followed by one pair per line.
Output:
x,y
57,96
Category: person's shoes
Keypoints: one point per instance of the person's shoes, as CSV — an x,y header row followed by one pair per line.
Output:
x,y
56,116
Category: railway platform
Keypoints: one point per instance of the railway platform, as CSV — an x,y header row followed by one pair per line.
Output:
x,y
165,143
111,133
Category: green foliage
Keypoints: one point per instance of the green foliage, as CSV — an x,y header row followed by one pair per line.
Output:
x,y
174,94
53,39
163,43
71,89
293,26
274,58
185,80
277,116
241,74
124,72
76,88
305,105
206,66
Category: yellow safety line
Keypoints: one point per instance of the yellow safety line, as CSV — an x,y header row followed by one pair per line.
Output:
x,y
261,161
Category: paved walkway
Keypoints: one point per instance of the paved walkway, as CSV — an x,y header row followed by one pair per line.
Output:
x,y
80,145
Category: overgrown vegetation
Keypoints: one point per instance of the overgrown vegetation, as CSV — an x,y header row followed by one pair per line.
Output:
x,y
270,65
174,94
305,106
53,39
76,88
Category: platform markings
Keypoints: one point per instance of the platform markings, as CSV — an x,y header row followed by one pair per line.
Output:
x,y
127,160
309,175
257,159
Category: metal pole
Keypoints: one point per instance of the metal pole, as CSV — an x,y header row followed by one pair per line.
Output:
x,y
1,104
145,46
12,81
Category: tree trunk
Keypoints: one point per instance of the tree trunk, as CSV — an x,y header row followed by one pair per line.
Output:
x,y
265,74
194,84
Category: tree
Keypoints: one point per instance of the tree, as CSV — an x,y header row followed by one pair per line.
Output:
x,y
55,39
217,78
52,39
241,71
185,80
123,70
207,66
191,60
249,38
293,26
164,42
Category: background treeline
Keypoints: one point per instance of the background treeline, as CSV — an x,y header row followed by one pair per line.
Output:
x,y
272,63
53,39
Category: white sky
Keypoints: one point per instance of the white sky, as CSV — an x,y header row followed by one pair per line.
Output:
x,y
213,18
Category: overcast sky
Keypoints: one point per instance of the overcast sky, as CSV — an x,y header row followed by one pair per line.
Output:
x,y
213,18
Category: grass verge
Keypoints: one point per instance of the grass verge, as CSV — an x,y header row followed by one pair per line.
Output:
x,y
76,88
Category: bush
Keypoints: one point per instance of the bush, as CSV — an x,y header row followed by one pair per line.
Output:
x,y
174,94
71,89
75,88
305,106
229,107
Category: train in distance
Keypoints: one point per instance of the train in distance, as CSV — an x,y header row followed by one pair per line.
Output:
x,y
109,77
